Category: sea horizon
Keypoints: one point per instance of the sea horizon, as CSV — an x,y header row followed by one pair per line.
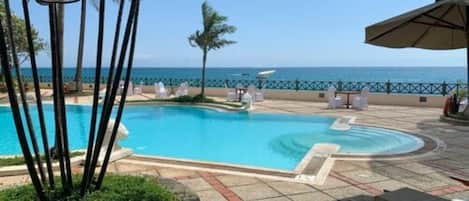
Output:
x,y
356,74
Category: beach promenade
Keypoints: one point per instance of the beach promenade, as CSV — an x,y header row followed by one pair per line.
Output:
x,y
430,172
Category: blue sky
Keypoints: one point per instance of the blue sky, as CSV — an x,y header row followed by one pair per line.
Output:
x,y
271,33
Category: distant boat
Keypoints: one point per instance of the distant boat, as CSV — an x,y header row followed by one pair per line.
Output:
x,y
265,74
241,74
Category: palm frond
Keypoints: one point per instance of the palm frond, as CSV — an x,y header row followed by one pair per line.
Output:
x,y
214,28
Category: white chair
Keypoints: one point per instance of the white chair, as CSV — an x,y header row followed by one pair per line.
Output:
x,y
361,102
160,90
139,90
334,101
183,89
130,90
121,87
252,92
102,93
230,95
463,105
247,100
257,96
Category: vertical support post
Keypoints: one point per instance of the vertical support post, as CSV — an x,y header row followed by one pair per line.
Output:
x,y
444,89
388,87
297,85
467,47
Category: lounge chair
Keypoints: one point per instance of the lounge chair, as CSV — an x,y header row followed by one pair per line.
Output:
x,y
160,90
183,89
334,101
361,102
139,90
230,95
257,96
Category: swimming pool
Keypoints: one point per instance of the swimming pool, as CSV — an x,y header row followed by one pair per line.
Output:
x,y
259,140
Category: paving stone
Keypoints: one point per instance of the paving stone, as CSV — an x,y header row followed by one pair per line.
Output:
x,y
210,195
171,173
331,183
255,192
344,166
424,183
418,168
197,184
394,172
460,195
365,176
346,192
316,196
390,185
288,188
232,180
282,198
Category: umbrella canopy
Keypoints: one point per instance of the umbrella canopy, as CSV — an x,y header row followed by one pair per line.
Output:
x,y
443,25
439,26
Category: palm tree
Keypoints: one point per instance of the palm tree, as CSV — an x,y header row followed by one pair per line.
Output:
x,y
81,41
211,37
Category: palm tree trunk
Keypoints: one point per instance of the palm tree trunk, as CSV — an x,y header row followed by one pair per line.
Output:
x,y
60,13
204,62
81,40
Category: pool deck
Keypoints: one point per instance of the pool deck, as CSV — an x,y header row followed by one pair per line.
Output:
x,y
348,179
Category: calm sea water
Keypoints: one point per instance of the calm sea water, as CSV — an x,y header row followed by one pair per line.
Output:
x,y
394,74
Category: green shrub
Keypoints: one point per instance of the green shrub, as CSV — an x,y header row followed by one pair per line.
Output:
x,y
115,188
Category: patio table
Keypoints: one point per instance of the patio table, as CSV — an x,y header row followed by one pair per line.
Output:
x,y
348,93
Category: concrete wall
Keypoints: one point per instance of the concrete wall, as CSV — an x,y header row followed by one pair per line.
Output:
x,y
316,96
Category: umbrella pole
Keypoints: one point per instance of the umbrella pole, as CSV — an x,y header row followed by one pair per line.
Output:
x,y
467,48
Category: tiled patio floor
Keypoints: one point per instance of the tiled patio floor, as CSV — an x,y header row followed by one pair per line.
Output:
x,y
348,179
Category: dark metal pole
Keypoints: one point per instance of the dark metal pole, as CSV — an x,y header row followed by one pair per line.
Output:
x,y
57,110
467,47
87,175
108,106
122,101
17,117
37,89
16,65
114,50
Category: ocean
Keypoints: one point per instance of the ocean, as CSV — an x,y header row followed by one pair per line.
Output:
x,y
378,74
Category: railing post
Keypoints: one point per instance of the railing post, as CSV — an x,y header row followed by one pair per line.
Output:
x,y
340,85
443,89
388,87
297,85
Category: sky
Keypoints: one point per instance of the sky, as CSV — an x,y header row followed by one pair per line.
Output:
x,y
270,33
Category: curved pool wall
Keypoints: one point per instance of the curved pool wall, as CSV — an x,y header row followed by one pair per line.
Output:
x,y
259,140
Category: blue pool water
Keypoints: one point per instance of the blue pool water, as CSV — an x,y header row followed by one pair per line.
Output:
x,y
259,140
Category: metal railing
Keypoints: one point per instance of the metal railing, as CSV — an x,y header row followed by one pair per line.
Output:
x,y
387,87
